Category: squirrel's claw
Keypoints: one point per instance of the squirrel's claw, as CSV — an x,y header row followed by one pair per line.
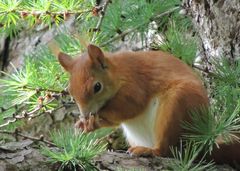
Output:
x,y
79,124
90,124
86,125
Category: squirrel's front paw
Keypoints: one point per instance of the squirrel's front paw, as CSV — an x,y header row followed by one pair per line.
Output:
x,y
86,125
79,125
143,151
90,124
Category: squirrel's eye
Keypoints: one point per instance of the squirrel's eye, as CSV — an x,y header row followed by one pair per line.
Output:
x,y
97,87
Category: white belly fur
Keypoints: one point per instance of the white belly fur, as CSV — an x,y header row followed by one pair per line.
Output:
x,y
140,131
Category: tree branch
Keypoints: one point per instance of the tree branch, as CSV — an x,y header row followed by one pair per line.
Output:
x,y
31,114
35,13
102,14
204,70
119,36
18,133
63,92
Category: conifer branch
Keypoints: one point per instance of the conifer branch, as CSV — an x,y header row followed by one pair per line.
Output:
x,y
25,13
124,33
32,114
102,14
55,17
40,89
38,12
203,70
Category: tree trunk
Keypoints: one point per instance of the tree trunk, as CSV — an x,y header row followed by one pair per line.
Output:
x,y
218,25
24,155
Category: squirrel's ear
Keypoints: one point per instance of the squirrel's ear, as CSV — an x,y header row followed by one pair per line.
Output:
x,y
66,61
97,56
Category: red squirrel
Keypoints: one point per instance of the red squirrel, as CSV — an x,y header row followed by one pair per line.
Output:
x,y
148,94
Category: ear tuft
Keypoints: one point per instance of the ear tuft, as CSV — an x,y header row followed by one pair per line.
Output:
x,y
97,56
66,61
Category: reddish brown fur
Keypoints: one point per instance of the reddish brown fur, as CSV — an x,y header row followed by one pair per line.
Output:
x,y
131,80
227,153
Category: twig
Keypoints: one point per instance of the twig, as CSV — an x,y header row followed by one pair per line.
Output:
x,y
204,70
135,28
102,14
25,13
199,68
17,133
30,114
120,35
64,92
8,122
47,112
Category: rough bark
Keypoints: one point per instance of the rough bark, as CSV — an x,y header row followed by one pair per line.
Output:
x,y
19,156
22,156
218,25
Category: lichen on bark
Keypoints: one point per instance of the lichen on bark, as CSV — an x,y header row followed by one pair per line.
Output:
x,y
218,25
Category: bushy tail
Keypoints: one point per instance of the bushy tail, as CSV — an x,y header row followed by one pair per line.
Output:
x,y
227,154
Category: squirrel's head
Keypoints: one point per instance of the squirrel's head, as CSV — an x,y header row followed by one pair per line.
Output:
x,y
91,79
